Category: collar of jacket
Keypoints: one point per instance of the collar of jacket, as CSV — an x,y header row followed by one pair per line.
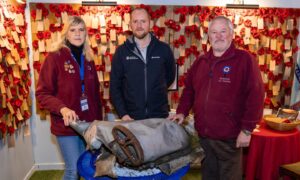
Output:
x,y
228,54
132,45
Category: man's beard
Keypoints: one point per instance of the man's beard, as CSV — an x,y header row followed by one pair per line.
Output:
x,y
141,36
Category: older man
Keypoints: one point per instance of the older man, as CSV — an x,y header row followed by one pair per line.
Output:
x,y
225,89
142,70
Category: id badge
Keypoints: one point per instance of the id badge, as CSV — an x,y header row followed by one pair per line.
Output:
x,y
84,103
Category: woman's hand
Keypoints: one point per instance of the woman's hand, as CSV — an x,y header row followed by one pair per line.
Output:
x,y
68,115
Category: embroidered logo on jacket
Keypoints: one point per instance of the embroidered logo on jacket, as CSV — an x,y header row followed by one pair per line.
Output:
x,y
131,57
155,57
226,70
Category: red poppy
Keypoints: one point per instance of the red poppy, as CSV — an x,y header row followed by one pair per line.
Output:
x,y
40,35
11,130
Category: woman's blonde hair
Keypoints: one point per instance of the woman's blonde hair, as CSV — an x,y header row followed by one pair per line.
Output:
x,y
73,21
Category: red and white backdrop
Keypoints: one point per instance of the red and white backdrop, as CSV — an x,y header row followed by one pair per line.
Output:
x,y
15,83
269,34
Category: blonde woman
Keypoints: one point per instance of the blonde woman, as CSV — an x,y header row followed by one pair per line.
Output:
x,y
68,87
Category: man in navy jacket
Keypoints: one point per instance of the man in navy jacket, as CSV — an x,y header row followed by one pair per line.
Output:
x,y
142,70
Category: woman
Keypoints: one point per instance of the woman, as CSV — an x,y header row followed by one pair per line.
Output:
x,y
69,88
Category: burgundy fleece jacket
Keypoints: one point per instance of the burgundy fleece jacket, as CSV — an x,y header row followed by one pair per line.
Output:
x,y
59,85
226,94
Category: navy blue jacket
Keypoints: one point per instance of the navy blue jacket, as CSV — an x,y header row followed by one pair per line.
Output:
x,y
138,86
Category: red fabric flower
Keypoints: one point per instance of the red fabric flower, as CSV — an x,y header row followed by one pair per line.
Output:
x,y
2,128
26,115
40,35
285,83
295,32
106,84
267,101
40,6
218,11
248,23
37,65
53,7
47,35
45,12
181,81
180,60
204,47
6,81
11,130
261,51
18,102
21,53
52,28
33,14
175,96
35,44
158,31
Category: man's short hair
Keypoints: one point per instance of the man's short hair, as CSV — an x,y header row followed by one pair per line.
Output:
x,y
140,9
229,23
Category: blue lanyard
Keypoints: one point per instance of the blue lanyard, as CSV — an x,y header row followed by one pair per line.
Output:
x,y
82,72
81,67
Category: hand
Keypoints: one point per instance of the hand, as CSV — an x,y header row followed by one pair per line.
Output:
x,y
68,115
127,118
243,140
177,117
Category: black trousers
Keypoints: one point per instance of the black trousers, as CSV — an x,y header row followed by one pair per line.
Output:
x,y
223,161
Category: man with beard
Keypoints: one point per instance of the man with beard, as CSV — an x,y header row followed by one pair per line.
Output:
x,y
225,90
142,70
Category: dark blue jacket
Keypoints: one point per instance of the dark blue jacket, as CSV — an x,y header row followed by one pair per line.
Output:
x,y
138,86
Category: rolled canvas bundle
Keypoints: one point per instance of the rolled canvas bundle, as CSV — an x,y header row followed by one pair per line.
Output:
x,y
156,137
136,143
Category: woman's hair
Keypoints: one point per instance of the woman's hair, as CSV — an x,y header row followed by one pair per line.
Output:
x,y
73,21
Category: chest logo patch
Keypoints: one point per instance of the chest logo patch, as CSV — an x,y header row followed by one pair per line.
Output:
x,y
226,69
155,57
225,79
131,57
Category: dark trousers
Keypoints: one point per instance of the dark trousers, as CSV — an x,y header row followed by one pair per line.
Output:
x,y
223,161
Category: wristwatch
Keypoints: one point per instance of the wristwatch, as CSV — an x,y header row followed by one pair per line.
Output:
x,y
248,133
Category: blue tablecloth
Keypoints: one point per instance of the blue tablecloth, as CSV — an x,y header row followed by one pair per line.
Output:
x,y
86,169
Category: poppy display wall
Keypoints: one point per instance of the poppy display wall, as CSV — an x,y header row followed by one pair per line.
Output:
x,y
270,34
15,80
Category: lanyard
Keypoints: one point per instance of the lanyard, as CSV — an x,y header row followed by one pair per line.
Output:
x,y
81,67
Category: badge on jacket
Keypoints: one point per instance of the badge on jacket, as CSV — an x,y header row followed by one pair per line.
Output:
x,y
69,67
226,69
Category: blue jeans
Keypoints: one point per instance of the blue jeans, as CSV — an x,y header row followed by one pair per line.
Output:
x,y
71,148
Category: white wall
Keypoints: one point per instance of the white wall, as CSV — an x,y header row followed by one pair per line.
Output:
x,y
16,162
44,145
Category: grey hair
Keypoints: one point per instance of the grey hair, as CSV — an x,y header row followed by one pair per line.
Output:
x,y
229,23
73,21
